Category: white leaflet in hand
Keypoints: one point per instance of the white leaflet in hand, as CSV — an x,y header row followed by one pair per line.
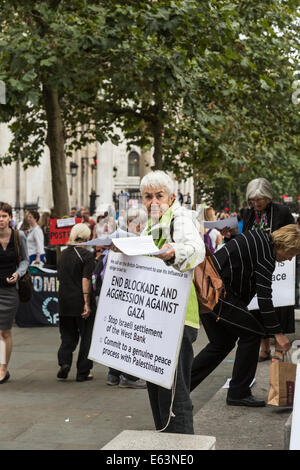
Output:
x,y
106,240
137,246
231,222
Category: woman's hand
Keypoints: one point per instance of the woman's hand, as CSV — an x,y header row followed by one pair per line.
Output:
x,y
224,232
283,342
168,254
86,311
12,279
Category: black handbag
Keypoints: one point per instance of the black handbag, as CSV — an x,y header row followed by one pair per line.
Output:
x,y
25,282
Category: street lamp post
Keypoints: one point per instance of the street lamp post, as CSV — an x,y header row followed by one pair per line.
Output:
x,y
73,173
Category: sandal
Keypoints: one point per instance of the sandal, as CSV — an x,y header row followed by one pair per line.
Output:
x,y
278,358
267,356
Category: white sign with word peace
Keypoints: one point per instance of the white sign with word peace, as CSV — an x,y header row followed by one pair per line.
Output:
x,y
140,317
283,285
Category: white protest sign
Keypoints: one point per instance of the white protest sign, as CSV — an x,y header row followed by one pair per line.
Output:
x,y
295,429
283,285
140,317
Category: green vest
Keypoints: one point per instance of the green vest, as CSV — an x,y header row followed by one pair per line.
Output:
x,y
160,238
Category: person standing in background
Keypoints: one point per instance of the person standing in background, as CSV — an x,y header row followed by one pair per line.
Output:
x,y
77,307
35,239
86,219
267,215
212,237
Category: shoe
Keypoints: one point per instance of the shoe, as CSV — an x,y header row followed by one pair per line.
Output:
x,y
112,380
126,383
5,378
267,356
247,401
84,378
63,371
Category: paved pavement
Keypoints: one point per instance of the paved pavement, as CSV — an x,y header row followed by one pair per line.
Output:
x,y
39,412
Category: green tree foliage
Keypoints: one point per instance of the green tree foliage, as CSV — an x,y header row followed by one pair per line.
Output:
x,y
207,84
51,77
246,124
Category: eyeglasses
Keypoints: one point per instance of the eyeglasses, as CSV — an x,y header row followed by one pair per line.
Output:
x,y
257,201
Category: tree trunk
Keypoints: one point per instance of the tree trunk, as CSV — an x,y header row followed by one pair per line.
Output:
x,y
158,145
55,141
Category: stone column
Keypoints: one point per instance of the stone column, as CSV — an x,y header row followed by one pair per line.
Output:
x,y
104,176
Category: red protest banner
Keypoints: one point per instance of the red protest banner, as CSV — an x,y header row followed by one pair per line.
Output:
x,y
60,235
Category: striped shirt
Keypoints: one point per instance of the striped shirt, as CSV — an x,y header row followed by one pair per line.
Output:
x,y
246,264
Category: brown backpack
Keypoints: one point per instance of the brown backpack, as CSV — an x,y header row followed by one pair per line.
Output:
x,y
208,284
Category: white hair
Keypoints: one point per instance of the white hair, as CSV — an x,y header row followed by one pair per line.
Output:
x,y
80,232
259,187
157,179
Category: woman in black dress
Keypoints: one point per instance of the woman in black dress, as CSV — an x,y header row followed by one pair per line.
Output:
x,y
268,215
10,272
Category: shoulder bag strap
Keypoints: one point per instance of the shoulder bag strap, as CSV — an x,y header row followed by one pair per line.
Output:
x,y
17,245
78,254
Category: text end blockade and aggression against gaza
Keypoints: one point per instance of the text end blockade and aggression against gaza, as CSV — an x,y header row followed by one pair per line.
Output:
x,y
140,315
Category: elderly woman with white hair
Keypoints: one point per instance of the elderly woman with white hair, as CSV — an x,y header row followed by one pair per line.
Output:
x,y
175,228
77,306
266,215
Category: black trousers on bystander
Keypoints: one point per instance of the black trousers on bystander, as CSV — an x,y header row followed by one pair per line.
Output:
x,y
71,330
222,338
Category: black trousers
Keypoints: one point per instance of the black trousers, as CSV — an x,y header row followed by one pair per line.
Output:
x,y
73,329
222,339
160,397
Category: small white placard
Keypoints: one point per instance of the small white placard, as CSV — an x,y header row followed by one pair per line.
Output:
x,y
68,222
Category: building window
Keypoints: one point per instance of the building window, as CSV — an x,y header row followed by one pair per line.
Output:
x,y
133,164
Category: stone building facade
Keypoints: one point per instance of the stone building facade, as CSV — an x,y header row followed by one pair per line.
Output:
x,y
94,172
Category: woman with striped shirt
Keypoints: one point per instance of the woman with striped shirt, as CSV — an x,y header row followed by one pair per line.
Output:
x,y
245,264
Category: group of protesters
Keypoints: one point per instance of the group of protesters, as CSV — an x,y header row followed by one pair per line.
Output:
x,y
245,259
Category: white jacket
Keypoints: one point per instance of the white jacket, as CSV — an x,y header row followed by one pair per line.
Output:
x,y
186,239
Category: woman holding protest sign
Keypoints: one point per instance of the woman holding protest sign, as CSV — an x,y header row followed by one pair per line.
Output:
x,y
175,229
266,215
10,272
77,307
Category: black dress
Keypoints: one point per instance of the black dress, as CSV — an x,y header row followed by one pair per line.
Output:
x,y
277,216
9,297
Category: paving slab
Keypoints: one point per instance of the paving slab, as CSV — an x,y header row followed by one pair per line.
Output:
x,y
151,440
34,405
244,428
